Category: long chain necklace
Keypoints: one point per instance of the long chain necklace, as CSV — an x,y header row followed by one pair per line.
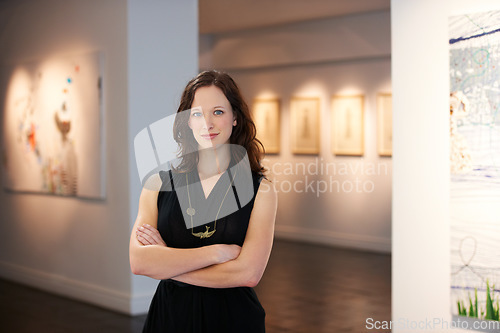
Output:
x,y
191,211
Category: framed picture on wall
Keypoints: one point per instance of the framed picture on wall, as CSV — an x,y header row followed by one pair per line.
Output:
x,y
53,130
304,113
384,124
266,115
348,125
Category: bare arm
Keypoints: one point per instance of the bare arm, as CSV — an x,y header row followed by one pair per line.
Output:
x,y
248,268
161,262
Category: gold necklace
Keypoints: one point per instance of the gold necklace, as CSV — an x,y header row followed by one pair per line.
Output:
x,y
191,211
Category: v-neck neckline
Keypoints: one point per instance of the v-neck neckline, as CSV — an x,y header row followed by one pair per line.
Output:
x,y
198,180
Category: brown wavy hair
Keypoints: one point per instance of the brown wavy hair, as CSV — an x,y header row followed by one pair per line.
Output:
x,y
243,134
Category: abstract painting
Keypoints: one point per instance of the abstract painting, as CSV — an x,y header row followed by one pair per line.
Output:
x,y
52,127
474,44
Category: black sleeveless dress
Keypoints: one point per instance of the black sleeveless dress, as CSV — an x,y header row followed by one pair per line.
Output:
x,y
183,308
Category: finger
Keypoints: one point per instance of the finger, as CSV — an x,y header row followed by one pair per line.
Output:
x,y
145,237
146,230
152,238
157,237
142,240
154,234
142,237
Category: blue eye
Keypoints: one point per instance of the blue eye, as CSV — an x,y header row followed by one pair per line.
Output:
x,y
218,112
196,114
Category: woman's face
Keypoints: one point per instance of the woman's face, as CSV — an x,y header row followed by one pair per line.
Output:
x,y
211,118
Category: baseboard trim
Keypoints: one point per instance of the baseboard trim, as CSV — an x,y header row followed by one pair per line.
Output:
x,y
325,237
78,290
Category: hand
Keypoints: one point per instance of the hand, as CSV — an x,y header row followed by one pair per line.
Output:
x,y
227,252
148,235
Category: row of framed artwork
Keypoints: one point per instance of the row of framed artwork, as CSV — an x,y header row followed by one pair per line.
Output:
x,y
347,124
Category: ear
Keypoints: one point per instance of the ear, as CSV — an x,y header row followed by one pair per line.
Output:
x,y
234,122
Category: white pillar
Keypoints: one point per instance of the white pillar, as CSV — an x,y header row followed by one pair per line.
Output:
x,y
162,57
420,220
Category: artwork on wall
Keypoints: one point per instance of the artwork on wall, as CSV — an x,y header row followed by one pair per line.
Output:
x,y
384,124
304,125
475,165
266,115
52,128
348,125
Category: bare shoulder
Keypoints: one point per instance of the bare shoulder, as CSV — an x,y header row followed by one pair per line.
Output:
x,y
152,187
267,193
154,183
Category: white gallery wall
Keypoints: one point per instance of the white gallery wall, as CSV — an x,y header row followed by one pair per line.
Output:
x,y
68,245
339,56
420,224
79,247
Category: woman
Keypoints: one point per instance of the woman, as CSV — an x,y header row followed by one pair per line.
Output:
x,y
207,271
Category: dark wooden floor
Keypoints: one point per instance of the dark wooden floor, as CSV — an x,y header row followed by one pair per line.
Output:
x,y
306,289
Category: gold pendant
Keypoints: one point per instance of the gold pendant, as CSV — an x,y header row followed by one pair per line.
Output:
x,y
204,234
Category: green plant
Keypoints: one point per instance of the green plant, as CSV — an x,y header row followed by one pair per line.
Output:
x,y
492,307
461,309
473,313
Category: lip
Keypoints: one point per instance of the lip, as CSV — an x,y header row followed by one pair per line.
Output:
x,y
209,136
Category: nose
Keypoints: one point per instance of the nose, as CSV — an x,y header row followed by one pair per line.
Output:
x,y
208,123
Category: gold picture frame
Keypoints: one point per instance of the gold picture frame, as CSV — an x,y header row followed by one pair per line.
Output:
x,y
304,112
348,125
266,116
384,124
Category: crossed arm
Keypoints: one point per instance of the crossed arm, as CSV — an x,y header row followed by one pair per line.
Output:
x,y
215,266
